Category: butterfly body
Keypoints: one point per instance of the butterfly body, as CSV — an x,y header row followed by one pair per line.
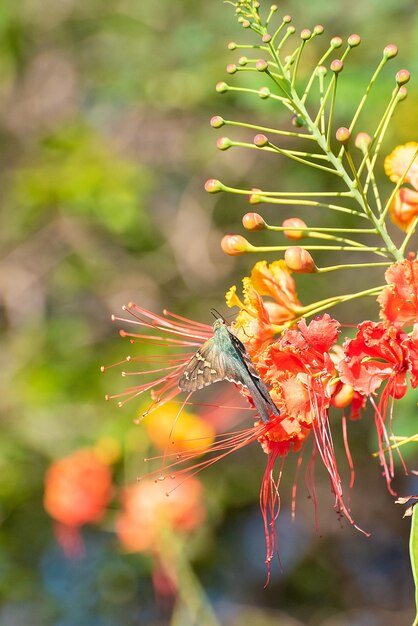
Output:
x,y
225,357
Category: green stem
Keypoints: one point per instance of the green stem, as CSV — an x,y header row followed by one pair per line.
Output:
x,y
321,111
189,589
380,138
357,180
375,249
308,229
413,551
374,184
411,232
298,56
317,307
288,153
312,77
292,194
331,268
331,111
329,237
277,33
288,201
259,93
265,129
364,98
321,100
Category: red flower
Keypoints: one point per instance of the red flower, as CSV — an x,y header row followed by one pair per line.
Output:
x,y
381,354
399,301
303,379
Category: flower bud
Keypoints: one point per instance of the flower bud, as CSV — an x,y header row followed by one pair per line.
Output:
x,y
343,396
231,68
337,66
343,135
264,92
305,34
232,45
274,8
246,24
266,38
253,221
217,121
299,260
297,121
363,141
234,245
213,186
291,30
390,51
354,41
294,222
287,19
403,77
254,198
262,65
242,61
260,141
319,29
221,87
322,70
402,93
223,143
336,42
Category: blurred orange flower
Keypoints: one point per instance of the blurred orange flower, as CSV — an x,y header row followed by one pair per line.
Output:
x,y
78,488
182,432
147,509
404,206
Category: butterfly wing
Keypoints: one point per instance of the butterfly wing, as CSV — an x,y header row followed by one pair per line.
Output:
x,y
209,365
254,382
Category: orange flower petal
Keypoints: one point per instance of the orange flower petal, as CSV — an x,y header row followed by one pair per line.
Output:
x,y
404,208
275,280
398,161
399,301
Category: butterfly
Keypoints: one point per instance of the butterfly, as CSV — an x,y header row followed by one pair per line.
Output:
x,y
225,357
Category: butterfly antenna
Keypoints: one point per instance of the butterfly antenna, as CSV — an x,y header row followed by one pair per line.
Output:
x,y
217,315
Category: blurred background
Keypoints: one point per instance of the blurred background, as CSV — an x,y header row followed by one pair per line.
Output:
x,y
105,147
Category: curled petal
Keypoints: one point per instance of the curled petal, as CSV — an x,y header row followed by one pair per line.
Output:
x,y
275,280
